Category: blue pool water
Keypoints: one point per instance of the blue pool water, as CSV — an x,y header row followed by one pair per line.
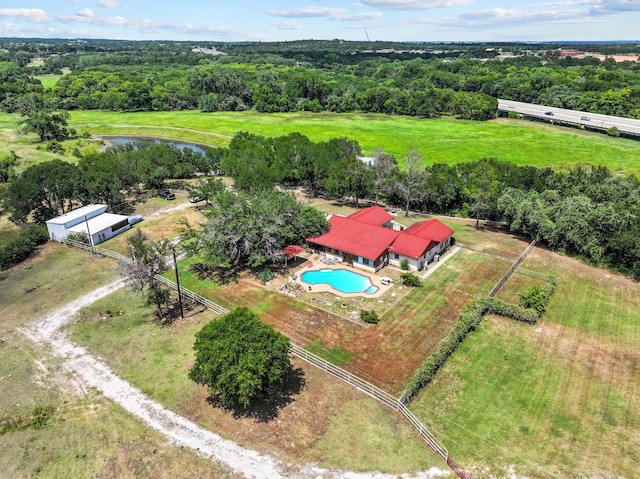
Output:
x,y
340,279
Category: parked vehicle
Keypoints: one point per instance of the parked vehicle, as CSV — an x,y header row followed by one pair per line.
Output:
x,y
195,199
166,194
135,219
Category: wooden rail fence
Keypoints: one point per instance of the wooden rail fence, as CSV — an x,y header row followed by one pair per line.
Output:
x,y
508,274
360,384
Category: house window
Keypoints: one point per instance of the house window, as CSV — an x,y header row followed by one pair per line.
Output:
x,y
360,259
396,256
370,262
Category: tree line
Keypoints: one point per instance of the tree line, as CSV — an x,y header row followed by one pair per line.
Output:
x,y
585,211
51,188
426,81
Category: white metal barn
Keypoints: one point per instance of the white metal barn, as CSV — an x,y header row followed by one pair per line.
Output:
x,y
92,220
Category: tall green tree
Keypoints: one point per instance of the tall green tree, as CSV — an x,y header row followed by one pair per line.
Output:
x,y
47,124
382,170
411,178
44,191
483,188
7,166
251,228
349,177
239,358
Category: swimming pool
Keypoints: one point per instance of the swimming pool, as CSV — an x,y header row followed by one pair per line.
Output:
x,y
341,280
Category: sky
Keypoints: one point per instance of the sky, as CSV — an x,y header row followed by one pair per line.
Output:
x,y
385,20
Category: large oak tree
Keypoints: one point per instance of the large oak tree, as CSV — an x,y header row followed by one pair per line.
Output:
x,y
239,358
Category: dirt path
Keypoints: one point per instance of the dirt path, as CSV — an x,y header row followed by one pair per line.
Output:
x,y
91,373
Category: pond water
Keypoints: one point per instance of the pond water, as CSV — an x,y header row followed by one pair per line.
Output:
x,y
139,140
340,279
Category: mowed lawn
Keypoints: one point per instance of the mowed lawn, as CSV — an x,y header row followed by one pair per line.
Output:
x,y
443,140
557,399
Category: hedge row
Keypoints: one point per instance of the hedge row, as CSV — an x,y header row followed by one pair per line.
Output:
x,y
21,247
469,321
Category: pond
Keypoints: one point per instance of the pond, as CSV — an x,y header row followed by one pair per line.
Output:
x,y
141,140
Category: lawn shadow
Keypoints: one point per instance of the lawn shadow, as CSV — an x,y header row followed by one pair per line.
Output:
x,y
172,312
276,398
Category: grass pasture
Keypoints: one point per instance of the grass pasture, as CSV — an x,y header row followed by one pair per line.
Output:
x,y
48,81
557,399
30,150
443,140
87,435
311,428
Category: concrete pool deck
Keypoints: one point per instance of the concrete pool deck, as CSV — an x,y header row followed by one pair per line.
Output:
x,y
313,264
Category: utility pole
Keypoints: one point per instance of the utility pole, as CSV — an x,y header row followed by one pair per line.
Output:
x,y
86,222
175,267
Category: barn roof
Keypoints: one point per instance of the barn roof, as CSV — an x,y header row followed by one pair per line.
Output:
x,y
73,215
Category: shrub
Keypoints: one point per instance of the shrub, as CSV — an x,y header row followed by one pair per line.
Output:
x,y
54,146
410,279
613,131
404,264
23,246
265,275
469,321
41,415
370,317
538,297
80,237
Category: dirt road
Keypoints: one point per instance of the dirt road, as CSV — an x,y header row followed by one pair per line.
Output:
x,y
89,372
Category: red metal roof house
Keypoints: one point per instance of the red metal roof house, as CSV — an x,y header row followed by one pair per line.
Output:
x,y
366,239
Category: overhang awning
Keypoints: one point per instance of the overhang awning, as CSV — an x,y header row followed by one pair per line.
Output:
x,y
292,250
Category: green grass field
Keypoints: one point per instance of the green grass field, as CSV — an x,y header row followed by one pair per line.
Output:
x,y
444,140
87,435
557,399
332,424
48,81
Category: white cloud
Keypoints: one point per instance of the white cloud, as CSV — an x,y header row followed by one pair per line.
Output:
x,y
109,4
307,12
146,25
75,1
93,20
514,18
85,12
605,7
35,15
356,17
414,4
338,14
290,25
